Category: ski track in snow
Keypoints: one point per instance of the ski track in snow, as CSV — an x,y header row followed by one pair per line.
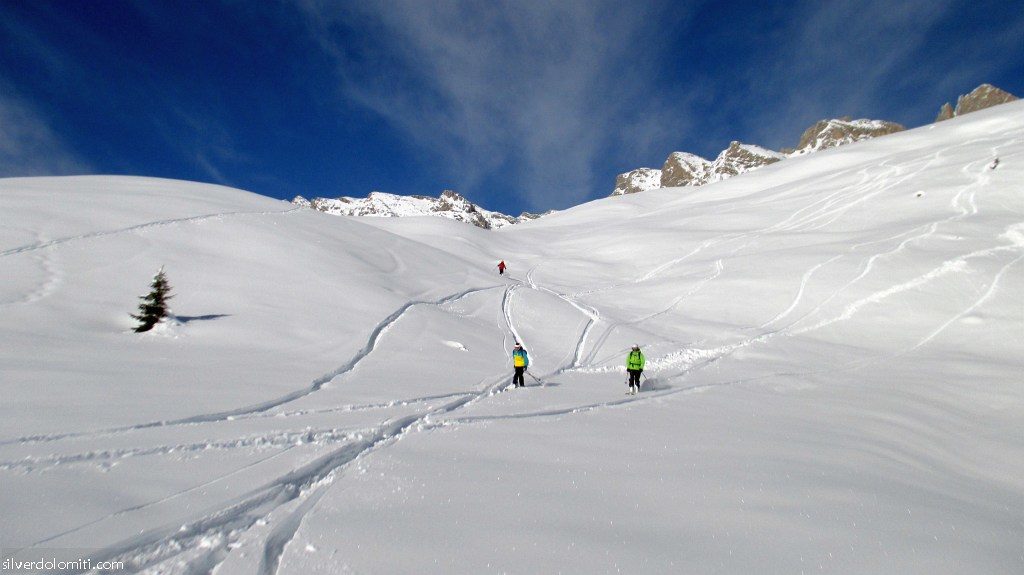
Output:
x,y
226,524
593,317
137,227
48,286
166,499
963,202
975,305
262,407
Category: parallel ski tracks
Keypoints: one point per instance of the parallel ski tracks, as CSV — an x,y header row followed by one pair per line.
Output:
x,y
226,522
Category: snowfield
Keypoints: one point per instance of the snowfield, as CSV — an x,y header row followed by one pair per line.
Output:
x,y
835,352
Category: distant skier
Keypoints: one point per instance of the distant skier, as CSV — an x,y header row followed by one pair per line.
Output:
x,y
994,164
635,366
501,267
520,360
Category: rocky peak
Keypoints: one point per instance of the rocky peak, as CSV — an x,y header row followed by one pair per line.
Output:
x,y
450,200
684,169
837,132
638,180
739,158
984,96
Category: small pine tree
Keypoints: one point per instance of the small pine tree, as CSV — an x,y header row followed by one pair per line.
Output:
x,y
153,307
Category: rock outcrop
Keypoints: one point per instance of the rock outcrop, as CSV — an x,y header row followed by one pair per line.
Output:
x,y
984,96
739,158
837,132
684,169
529,216
638,180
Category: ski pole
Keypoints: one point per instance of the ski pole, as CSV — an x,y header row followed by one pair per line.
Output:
x,y
535,378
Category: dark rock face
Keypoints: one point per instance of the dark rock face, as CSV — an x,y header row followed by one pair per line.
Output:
x,y
683,169
984,96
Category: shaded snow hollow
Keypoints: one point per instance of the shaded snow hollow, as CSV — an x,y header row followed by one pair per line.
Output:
x,y
833,382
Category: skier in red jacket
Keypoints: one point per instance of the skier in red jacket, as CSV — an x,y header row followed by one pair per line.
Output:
x,y
501,267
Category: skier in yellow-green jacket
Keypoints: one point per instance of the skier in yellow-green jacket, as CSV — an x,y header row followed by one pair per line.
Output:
x,y
520,361
635,366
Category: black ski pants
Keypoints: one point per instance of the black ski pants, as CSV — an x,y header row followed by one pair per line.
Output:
x,y
634,377
517,379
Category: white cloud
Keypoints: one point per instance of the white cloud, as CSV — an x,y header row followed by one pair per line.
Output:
x,y
29,146
538,89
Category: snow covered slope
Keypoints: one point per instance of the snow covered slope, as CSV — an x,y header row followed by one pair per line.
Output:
x,y
833,375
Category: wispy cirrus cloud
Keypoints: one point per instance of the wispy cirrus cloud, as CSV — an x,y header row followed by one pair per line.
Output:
x,y
532,91
29,146
876,58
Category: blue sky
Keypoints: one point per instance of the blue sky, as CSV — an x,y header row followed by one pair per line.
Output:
x,y
518,104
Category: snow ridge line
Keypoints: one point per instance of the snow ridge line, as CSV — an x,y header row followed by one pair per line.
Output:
x,y
257,408
50,243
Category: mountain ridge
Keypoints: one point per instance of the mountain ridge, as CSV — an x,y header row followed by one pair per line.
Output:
x,y
449,204
685,169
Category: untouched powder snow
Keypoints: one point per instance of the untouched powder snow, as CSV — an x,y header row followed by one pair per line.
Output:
x,y
834,358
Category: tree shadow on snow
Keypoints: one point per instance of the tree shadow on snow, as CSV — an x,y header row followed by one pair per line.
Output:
x,y
191,318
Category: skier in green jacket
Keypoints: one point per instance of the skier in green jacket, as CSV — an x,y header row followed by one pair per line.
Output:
x,y
635,366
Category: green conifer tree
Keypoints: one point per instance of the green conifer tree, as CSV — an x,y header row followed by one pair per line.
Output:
x,y
153,307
